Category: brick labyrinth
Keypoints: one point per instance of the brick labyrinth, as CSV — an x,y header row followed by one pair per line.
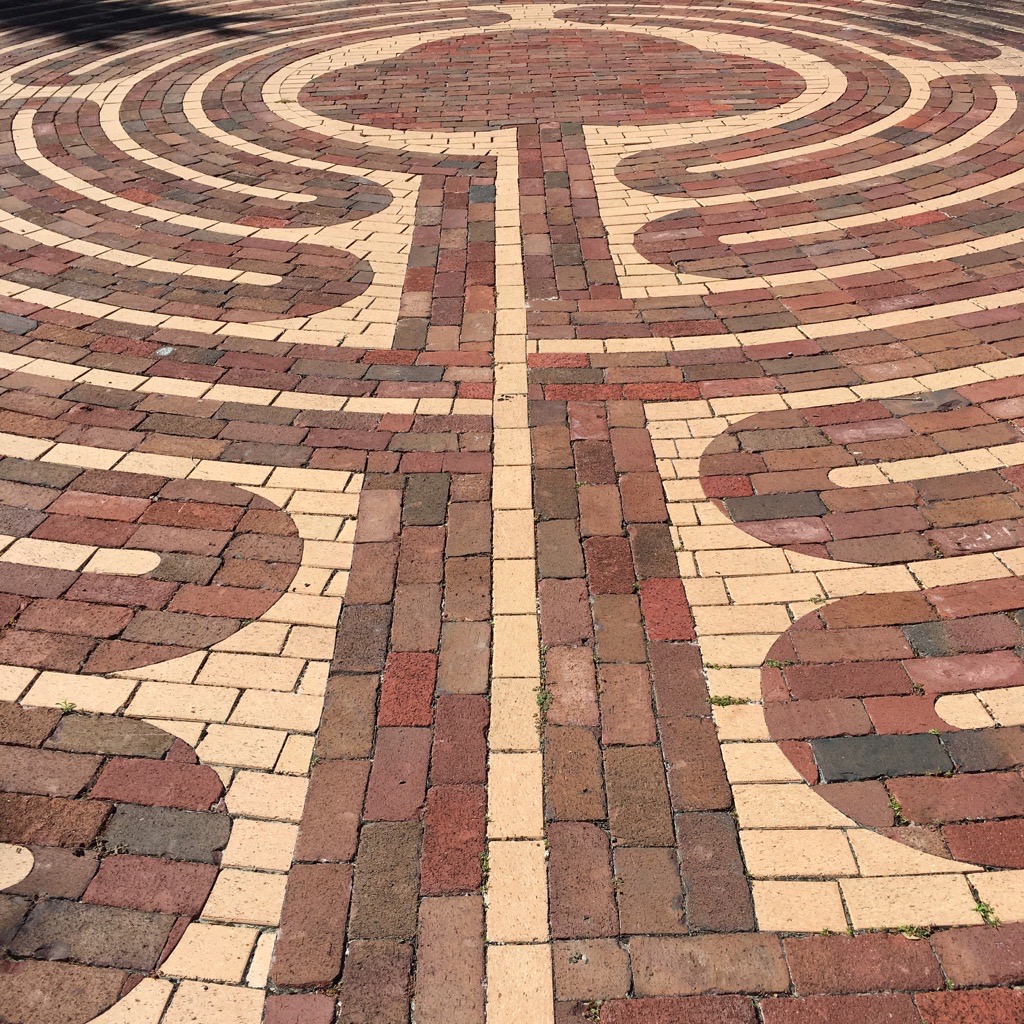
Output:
x,y
511,513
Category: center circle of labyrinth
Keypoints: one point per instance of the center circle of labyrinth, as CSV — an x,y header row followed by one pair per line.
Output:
x,y
505,79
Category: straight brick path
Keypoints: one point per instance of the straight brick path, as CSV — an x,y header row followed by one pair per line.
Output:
x,y
510,513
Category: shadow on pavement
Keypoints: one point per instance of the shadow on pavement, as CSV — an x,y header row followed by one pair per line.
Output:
x,y
84,22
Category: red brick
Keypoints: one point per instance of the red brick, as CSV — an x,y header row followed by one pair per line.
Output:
x,y
407,691
453,839
609,565
841,964
460,740
190,787
981,955
152,884
398,780
926,801
686,1010
665,609
981,1006
570,679
897,1009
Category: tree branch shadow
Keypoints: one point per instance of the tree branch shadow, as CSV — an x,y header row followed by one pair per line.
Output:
x,y
100,22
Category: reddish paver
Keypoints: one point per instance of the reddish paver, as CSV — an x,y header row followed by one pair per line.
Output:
x,y
246,288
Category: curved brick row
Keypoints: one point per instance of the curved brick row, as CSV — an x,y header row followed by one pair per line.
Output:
x,y
225,556
123,830
771,474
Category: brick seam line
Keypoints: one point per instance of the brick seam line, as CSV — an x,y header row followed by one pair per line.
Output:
x,y
519,968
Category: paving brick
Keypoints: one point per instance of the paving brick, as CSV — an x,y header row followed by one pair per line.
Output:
x,y
580,880
151,884
398,779
840,1009
93,935
449,961
574,789
453,839
333,809
375,984
310,945
705,964
158,784
386,881
836,964
638,804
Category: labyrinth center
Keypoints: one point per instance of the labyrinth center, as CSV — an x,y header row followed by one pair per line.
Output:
x,y
511,512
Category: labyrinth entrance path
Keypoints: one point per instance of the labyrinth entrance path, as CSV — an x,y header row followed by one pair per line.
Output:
x,y
511,513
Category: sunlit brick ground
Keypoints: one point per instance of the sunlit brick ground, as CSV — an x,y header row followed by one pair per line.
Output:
x,y
511,513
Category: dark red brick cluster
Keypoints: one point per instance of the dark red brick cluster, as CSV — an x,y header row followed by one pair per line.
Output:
x,y
125,828
226,556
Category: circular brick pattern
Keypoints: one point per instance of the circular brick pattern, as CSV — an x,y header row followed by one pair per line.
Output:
x,y
506,79
125,830
225,556
853,693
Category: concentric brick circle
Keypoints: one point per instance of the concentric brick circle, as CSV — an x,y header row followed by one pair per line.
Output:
x,y
124,829
864,696
505,79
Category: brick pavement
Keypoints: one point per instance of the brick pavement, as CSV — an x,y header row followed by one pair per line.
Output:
x,y
511,513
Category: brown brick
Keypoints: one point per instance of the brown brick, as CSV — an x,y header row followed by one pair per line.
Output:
x,y
469,529
708,963
311,941
580,881
620,635
387,881
362,641
110,734
465,657
685,1010
50,821
467,589
372,577
899,1009
590,969
417,617
649,892
638,807
56,993
375,985
573,784
45,772
626,715
346,725
717,890
460,740
26,726
331,816
93,935
449,961
696,773
565,618
559,555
